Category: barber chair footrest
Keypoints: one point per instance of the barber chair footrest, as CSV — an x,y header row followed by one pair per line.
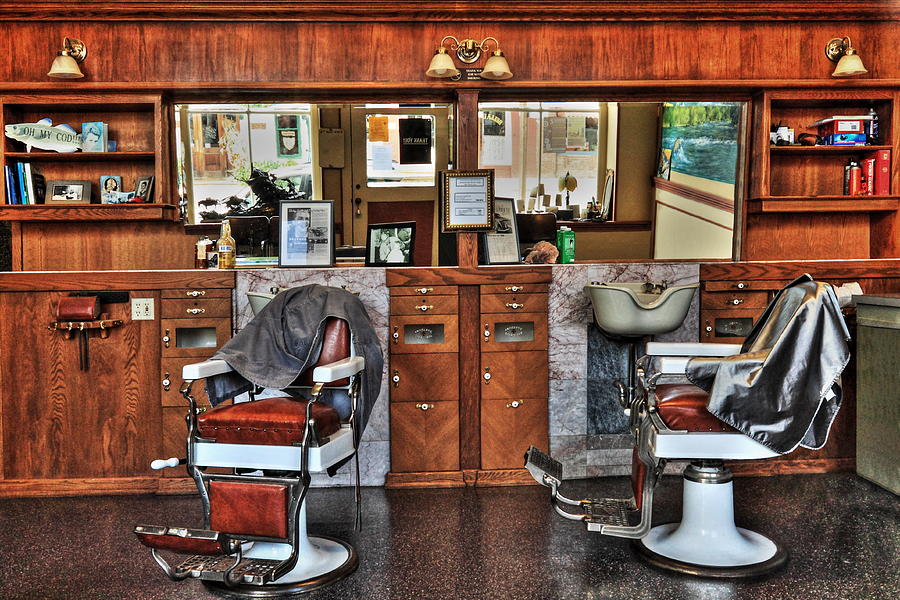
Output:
x,y
250,571
545,469
608,511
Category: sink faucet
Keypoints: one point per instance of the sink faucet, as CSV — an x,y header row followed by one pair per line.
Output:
x,y
655,288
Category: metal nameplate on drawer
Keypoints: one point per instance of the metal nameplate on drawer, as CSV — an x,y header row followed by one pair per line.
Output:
x,y
733,326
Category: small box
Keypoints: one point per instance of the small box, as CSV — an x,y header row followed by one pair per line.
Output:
x,y
845,139
838,125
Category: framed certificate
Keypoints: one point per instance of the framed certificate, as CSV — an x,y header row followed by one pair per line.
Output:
x,y
306,234
502,244
468,200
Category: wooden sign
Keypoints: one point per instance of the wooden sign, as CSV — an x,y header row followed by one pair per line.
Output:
x,y
45,135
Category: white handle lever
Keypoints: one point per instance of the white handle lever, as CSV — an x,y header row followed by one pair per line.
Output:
x,y
161,463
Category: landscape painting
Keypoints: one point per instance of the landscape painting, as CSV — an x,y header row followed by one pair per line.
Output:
x,y
700,139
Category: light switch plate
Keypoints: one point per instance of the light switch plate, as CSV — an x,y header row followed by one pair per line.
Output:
x,y
142,309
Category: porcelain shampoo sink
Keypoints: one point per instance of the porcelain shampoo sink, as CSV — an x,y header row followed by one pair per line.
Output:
x,y
639,309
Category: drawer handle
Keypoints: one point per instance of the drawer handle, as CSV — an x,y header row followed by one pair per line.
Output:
x,y
396,336
741,285
195,311
166,382
425,307
515,305
515,404
487,375
195,293
396,378
708,329
166,339
423,406
515,288
424,290
737,301
487,332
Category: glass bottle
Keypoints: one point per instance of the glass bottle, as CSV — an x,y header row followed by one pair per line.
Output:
x,y
226,247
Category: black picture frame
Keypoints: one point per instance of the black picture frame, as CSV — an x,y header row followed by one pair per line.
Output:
x,y
306,233
145,196
396,247
501,246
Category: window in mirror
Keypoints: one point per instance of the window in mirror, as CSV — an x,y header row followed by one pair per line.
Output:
x,y
399,150
219,144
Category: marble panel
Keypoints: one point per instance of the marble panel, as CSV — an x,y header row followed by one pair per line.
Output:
x,y
607,470
568,407
568,361
570,451
619,456
610,441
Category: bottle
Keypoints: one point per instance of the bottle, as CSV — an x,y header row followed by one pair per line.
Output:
x,y
200,259
855,185
872,138
565,242
226,247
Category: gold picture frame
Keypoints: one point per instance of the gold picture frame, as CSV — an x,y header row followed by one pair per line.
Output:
x,y
467,200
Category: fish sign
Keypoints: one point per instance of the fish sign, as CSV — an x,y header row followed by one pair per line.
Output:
x,y
45,135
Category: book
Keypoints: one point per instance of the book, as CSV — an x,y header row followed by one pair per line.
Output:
x,y
882,172
40,187
29,184
10,195
868,177
20,174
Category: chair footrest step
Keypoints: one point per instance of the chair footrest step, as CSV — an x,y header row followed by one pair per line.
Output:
x,y
540,464
252,571
608,511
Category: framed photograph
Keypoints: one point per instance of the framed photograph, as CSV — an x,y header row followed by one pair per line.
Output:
x,y
391,244
109,186
306,233
468,200
68,192
143,189
501,246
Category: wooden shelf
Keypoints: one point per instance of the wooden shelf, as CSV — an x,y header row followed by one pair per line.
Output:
x,y
79,156
89,212
789,150
823,204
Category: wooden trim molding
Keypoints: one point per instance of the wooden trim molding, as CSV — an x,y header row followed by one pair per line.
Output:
x,y
789,269
468,276
694,194
37,281
696,216
455,12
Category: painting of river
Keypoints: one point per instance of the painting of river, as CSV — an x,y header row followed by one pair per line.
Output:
x,y
700,139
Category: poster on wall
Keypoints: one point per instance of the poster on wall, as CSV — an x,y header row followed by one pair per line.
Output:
x,y
699,139
415,141
555,130
496,145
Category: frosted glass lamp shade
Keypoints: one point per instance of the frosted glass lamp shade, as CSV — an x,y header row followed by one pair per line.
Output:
x,y
65,67
496,67
442,65
849,65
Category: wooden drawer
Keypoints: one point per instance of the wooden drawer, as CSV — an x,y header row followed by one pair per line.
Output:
x,y
513,303
509,332
514,375
425,290
515,288
417,376
197,293
424,334
424,436
727,326
171,371
196,338
721,300
189,308
431,305
508,427
745,285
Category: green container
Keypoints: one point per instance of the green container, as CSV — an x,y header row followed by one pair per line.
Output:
x,y
565,242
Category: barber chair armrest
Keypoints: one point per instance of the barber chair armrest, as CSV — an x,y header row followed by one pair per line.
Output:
x,y
207,368
672,366
691,349
339,369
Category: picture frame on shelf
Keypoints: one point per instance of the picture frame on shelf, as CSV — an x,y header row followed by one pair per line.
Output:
x,y
68,192
467,199
391,244
501,246
143,189
94,136
109,185
306,233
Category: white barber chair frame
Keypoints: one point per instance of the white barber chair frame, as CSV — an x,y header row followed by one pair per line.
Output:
x,y
706,542
259,566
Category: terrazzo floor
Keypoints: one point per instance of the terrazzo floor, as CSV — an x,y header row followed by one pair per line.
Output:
x,y
843,534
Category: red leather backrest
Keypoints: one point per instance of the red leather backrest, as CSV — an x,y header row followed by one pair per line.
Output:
x,y
335,346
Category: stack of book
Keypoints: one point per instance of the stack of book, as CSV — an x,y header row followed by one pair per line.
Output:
x,y
255,262
23,186
871,176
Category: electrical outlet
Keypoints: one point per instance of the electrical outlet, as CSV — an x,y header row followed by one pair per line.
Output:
x,y
142,309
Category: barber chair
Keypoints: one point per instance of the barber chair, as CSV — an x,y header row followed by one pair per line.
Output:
x,y
670,420
254,541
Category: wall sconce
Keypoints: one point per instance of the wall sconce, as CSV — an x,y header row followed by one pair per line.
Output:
x,y
65,65
469,51
848,62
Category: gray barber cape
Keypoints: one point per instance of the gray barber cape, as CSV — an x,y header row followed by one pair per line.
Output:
x,y
285,338
783,389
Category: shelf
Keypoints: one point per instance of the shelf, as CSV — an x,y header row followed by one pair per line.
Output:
x,y
825,149
79,156
89,212
823,204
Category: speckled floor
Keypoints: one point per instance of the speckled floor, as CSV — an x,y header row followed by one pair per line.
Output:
x,y
843,534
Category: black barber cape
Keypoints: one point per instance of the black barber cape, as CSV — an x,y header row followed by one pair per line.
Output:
x,y
285,338
783,389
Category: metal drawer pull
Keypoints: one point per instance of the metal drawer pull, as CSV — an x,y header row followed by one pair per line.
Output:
x,y
515,288
166,339
425,307
424,406
166,382
741,285
514,305
737,301
195,293
424,290
515,404
708,329
487,375
396,378
487,332
396,336
195,311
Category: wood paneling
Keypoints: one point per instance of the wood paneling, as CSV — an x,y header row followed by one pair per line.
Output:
x,y
140,280
807,236
430,437
750,272
417,278
470,380
420,212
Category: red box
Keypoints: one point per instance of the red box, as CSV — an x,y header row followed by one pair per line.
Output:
x,y
841,124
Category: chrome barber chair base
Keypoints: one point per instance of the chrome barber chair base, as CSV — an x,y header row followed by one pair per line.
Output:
x,y
330,560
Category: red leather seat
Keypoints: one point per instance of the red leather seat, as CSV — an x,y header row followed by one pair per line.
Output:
x,y
271,421
683,407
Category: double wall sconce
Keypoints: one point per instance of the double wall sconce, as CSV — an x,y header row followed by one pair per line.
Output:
x,y
65,65
468,51
848,61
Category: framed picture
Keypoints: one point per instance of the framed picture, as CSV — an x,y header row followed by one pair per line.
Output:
x,y
109,185
391,244
501,246
68,192
306,233
468,200
143,189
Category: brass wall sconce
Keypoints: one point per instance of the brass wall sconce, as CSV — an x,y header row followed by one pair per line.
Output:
x,y
65,65
468,51
848,61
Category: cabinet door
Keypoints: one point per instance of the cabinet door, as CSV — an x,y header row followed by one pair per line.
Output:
x,y
170,382
508,427
424,334
417,376
424,436
505,333
197,338
510,375
727,326
174,439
